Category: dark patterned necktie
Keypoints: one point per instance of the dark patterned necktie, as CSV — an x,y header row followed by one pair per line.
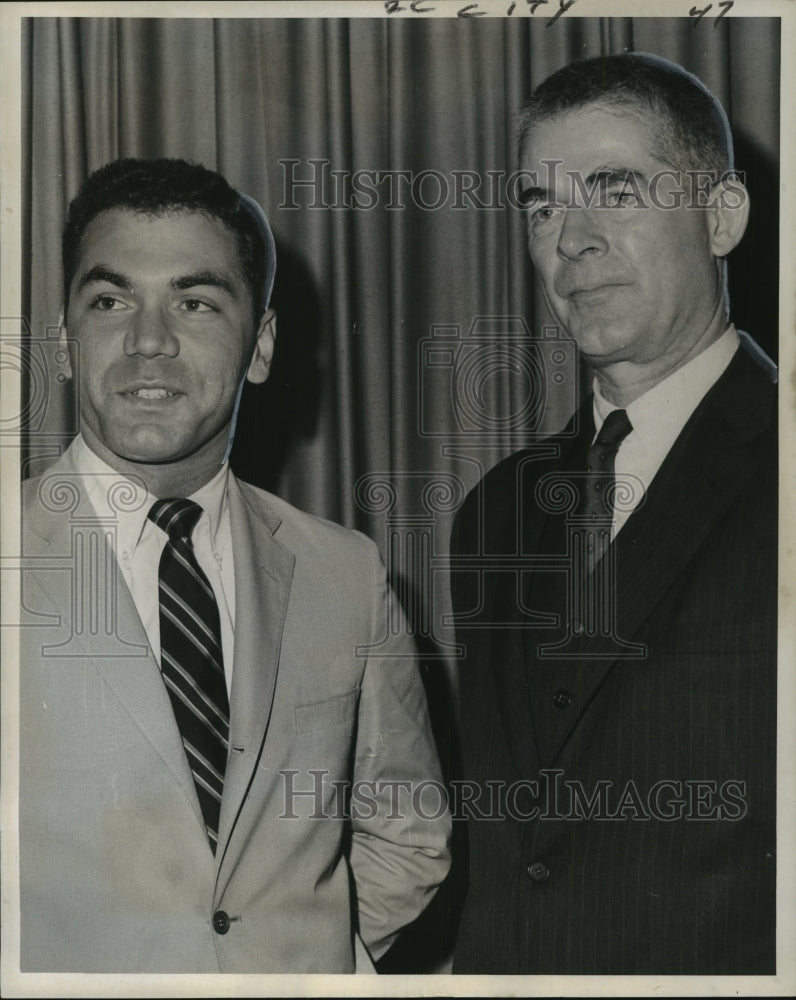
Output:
x,y
598,498
191,658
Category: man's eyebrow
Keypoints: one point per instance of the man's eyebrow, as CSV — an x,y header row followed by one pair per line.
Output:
x,y
102,273
614,175
604,176
532,194
211,278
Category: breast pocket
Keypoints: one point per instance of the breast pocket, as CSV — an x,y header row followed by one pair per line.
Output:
x,y
329,714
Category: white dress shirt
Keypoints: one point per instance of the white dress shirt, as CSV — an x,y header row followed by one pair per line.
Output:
x,y
657,418
139,542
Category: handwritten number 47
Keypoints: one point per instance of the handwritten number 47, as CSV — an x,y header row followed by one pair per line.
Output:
x,y
726,6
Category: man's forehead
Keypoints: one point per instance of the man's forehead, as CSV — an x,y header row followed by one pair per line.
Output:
x,y
620,123
119,216
176,231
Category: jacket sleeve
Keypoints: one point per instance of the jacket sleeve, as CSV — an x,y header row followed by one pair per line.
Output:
x,y
400,818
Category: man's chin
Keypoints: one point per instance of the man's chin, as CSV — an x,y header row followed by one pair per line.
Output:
x,y
153,444
150,450
601,345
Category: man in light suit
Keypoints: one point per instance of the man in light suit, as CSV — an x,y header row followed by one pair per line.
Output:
x,y
619,685
319,831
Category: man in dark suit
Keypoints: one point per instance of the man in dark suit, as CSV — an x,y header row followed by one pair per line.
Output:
x,y
619,685
226,761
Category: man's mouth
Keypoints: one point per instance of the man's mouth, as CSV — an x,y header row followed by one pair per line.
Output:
x,y
151,393
584,291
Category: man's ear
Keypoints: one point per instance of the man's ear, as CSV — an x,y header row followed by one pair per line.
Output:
x,y
729,214
62,342
260,365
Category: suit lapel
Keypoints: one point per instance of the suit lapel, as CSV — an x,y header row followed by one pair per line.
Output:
x,y
711,462
522,596
116,645
263,574
547,593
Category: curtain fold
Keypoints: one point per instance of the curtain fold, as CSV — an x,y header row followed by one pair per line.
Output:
x,y
360,288
380,150
306,116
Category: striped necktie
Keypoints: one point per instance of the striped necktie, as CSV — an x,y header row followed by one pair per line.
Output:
x,y
598,500
191,659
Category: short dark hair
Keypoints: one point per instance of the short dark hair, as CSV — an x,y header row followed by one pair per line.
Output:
x,y
155,187
691,130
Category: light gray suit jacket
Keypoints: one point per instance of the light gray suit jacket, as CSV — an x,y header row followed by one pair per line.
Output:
x,y
116,874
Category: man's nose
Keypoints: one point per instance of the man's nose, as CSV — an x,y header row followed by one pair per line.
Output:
x,y
581,234
150,334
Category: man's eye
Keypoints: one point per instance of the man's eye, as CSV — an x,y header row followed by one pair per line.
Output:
x,y
106,303
544,213
624,197
196,306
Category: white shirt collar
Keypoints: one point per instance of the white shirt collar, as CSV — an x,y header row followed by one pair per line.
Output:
x,y
662,412
126,501
658,417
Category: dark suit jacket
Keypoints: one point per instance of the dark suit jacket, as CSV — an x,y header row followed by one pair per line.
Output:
x,y
649,846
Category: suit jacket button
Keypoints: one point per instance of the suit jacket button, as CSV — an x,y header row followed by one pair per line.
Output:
x,y
538,871
563,698
220,922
